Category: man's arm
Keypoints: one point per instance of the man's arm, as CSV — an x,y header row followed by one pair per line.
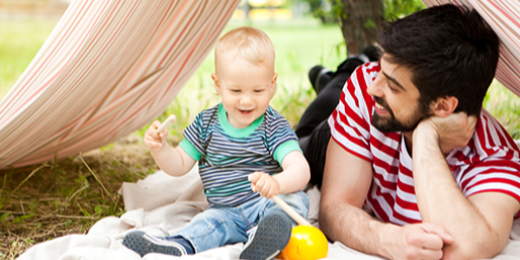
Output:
x,y
346,181
479,224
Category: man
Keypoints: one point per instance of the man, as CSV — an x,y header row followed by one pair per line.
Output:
x,y
422,101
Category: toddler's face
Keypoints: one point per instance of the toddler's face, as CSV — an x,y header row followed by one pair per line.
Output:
x,y
245,88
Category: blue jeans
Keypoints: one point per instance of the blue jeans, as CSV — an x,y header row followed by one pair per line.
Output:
x,y
218,226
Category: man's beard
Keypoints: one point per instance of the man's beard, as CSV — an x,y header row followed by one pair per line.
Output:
x,y
392,124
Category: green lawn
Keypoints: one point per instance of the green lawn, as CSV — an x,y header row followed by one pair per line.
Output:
x,y
19,43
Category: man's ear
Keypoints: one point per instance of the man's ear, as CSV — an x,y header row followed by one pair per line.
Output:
x,y
444,106
217,83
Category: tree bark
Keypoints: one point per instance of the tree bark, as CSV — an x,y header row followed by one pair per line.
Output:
x,y
357,29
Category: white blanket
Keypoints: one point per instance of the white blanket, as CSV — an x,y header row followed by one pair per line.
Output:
x,y
160,204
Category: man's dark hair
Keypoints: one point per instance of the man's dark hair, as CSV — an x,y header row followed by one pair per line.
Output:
x,y
450,51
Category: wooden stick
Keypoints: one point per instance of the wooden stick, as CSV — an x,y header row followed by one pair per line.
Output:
x,y
290,211
167,123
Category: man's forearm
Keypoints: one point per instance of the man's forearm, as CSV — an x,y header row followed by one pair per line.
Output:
x,y
441,202
356,229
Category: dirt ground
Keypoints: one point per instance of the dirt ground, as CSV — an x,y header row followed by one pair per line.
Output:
x,y
67,196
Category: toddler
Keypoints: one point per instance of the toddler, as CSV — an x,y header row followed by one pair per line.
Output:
x,y
246,154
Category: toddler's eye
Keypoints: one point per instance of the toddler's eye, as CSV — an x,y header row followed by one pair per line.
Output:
x,y
235,90
259,90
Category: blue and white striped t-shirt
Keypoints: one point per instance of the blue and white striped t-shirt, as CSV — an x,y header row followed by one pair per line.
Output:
x,y
227,155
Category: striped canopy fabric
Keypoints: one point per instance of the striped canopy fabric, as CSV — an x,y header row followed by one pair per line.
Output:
x,y
107,69
504,17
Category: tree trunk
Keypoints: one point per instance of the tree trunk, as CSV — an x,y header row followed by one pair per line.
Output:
x,y
359,27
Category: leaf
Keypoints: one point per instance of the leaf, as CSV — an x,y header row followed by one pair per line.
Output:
x,y
26,217
4,217
99,210
85,213
16,220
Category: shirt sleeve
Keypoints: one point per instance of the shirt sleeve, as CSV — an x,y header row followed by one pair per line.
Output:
x,y
501,176
193,143
281,138
284,149
494,163
190,149
350,121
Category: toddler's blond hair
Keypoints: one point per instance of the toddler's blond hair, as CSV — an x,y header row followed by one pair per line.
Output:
x,y
250,43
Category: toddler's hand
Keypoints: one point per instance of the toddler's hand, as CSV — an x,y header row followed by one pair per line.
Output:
x,y
263,183
153,140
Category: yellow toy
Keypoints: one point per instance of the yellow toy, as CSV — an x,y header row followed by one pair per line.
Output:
x,y
306,242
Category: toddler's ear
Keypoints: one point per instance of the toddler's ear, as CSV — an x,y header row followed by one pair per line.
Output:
x,y
215,80
273,85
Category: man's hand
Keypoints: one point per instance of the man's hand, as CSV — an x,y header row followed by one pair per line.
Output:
x,y
153,140
263,183
453,131
421,241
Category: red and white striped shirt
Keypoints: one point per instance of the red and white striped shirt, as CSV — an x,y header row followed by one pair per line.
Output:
x,y
490,162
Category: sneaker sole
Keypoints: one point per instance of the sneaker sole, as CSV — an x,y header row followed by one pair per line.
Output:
x,y
140,244
271,237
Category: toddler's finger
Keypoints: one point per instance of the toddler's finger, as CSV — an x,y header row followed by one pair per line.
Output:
x,y
151,132
265,189
163,135
260,184
253,177
154,126
270,193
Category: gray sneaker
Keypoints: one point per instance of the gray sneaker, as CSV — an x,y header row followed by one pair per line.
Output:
x,y
270,238
143,244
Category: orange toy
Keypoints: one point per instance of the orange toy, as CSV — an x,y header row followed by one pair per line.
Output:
x,y
306,242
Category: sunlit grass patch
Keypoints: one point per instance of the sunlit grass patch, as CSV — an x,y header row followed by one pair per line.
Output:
x,y
19,43
504,105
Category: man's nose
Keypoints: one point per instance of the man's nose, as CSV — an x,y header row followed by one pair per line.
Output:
x,y
376,88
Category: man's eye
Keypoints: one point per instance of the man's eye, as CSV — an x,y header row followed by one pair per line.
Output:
x,y
391,88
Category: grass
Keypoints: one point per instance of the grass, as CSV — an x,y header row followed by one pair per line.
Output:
x,y
48,200
53,199
19,43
